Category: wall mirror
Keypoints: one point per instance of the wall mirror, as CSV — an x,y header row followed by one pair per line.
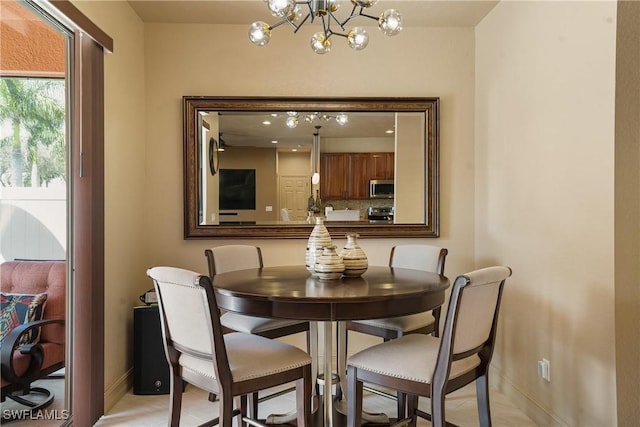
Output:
x,y
268,167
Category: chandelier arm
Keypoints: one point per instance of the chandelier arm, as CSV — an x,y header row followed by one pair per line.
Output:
x,y
333,17
375,18
352,15
277,24
297,27
326,28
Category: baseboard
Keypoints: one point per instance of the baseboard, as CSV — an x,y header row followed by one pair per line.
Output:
x,y
117,390
526,404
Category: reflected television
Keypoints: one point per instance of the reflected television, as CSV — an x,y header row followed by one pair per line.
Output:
x,y
237,189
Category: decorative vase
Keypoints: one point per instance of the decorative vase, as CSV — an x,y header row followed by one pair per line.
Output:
x,y
354,258
318,239
329,264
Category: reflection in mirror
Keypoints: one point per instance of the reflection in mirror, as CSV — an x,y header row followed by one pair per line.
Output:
x,y
362,164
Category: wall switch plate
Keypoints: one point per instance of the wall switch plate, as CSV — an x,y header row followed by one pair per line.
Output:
x,y
269,208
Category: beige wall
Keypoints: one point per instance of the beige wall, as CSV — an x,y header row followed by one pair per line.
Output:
x,y
545,79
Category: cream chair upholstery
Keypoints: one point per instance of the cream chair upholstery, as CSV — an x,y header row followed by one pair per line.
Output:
x,y
415,257
232,365
424,365
228,258
284,215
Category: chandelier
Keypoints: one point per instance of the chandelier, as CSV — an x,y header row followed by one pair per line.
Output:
x,y
294,13
293,118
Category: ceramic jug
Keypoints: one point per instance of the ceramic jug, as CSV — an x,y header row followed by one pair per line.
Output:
x,y
318,239
329,264
354,258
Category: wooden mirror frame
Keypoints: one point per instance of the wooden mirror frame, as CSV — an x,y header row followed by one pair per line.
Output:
x,y
192,105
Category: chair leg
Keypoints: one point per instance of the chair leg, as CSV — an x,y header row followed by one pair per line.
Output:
x,y
401,397
482,392
303,398
226,410
253,404
241,403
437,408
412,407
176,400
354,398
341,346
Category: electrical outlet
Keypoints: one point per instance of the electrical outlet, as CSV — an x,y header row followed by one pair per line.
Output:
x,y
544,370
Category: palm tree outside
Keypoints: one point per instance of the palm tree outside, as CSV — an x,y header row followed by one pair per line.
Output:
x,y
32,143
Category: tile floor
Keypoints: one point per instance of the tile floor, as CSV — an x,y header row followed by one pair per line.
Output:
x,y
151,411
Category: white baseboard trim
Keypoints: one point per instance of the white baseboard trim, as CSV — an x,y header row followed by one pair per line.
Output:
x,y
117,390
526,404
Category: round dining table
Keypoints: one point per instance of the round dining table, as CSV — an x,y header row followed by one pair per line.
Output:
x,y
292,292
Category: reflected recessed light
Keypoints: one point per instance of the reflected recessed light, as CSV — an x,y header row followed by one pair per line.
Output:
x,y
388,131
274,142
294,149
266,123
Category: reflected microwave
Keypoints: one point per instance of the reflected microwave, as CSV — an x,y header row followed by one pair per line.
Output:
x,y
381,189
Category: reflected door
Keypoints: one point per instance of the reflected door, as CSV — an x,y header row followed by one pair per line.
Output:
x,y
294,194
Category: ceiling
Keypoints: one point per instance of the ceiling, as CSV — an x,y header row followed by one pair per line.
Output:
x,y
417,13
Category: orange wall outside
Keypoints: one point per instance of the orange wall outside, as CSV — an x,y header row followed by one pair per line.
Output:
x,y
28,46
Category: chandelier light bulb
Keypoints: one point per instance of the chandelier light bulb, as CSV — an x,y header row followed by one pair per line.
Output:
x,y
320,44
390,22
259,33
281,8
358,38
342,119
291,122
315,178
296,14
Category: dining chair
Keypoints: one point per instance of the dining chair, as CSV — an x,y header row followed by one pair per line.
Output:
x,y
415,257
227,258
424,365
231,365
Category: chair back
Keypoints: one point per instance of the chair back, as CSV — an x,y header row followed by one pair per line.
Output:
x,y
284,214
223,259
189,316
472,316
418,257
35,277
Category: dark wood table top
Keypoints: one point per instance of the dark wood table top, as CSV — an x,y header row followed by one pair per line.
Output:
x,y
291,292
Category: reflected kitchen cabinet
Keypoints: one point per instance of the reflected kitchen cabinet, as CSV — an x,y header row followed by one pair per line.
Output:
x,y
359,175
346,176
333,176
382,166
